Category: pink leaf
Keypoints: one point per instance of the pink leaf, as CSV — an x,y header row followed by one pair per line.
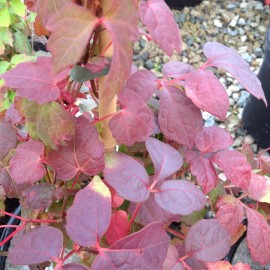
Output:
x,y
165,158
85,224
85,153
203,170
143,83
235,166
258,237
39,196
150,212
202,84
223,57
230,213
133,124
8,138
25,165
33,81
176,69
212,139
158,18
97,64
127,176
178,118
40,245
225,265
12,115
172,260
259,187
73,266
47,8
120,17
207,241
180,197
145,249
118,228
67,42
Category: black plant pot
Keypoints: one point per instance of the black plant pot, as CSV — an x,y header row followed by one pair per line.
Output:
x,y
256,116
182,3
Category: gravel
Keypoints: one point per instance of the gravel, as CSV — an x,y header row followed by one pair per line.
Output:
x,y
241,25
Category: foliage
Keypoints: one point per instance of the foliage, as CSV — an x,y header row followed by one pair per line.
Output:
x,y
114,208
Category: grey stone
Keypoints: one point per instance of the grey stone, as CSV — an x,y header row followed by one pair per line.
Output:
x,y
149,64
234,21
241,22
218,23
243,99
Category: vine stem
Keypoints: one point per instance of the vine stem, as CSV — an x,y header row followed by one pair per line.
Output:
x,y
139,205
186,266
9,226
19,228
105,117
175,233
31,220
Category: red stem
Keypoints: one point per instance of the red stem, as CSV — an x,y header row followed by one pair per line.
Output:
x,y
105,49
74,182
134,215
19,228
9,226
105,117
175,233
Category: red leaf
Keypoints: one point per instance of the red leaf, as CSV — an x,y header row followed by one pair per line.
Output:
x,y
176,69
85,153
165,158
207,241
235,166
98,64
8,138
25,165
85,224
230,213
212,139
259,187
223,57
12,190
33,81
143,83
39,196
203,170
202,84
47,8
73,266
41,245
127,176
258,237
135,123
241,266
118,228
116,199
178,118
67,42
145,249
180,197
120,17
158,18
150,212
172,260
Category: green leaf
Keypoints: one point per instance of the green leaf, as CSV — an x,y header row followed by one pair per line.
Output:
x,y
4,14
17,7
21,43
49,122
4,65
82,74
216,192
6,36
20,58
194,217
